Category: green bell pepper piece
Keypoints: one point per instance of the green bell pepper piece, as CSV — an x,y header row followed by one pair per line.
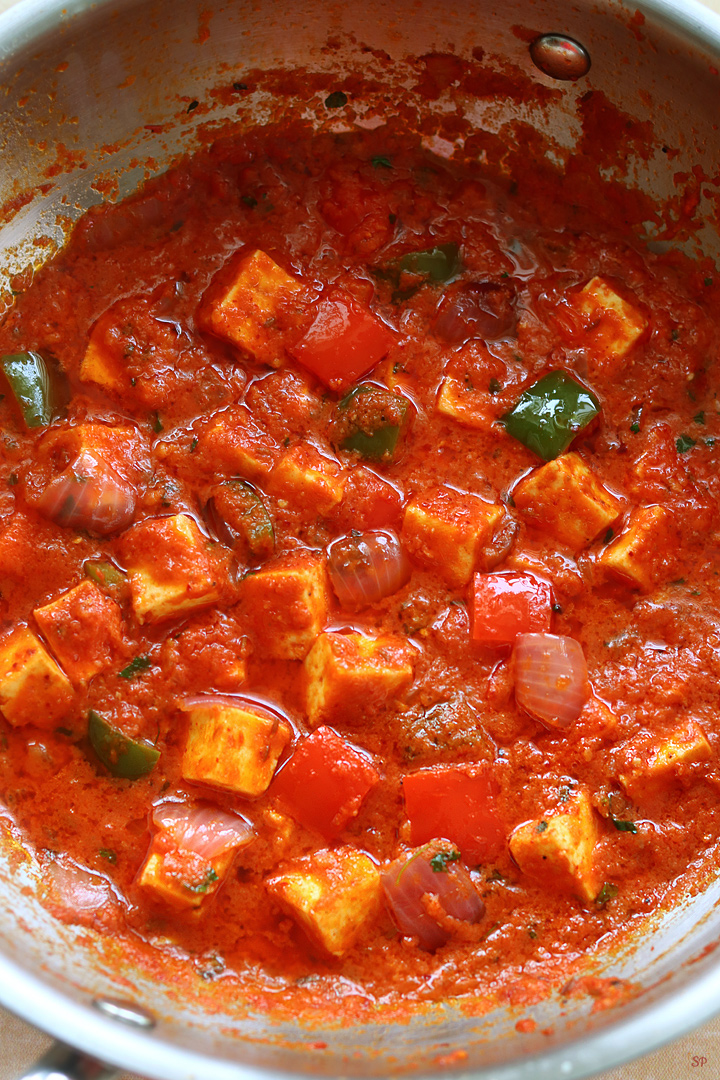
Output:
x,y
550,414
440,264
126,758
371,421
39,389
104,574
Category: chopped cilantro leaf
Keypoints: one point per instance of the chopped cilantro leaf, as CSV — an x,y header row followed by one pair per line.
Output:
x,y
635,427
699,418
381,162
106,853
202,886
140,663
193,446
624,826
439,862
541,826
684,443
607,892
157,425
708,281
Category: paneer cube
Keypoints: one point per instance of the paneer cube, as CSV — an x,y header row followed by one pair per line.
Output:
x,y
191,852
244,303
287,605
170,569
349,675
235,444
181,878
234,749
559,849
308,479
445,530
332,894
84,630
459,400
566,500
607,326
126,347
33,689
649,763
468,393
644,552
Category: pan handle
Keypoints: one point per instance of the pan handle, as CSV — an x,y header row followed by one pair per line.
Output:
x,y
62,1062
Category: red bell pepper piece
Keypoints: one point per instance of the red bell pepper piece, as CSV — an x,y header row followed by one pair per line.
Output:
x,y
457,802
344,341
325,782
507,604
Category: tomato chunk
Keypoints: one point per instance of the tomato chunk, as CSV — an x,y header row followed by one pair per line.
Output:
x,y
456,801
344,341
507,604
325,782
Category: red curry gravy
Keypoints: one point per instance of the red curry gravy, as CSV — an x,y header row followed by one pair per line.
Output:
x,y
410,702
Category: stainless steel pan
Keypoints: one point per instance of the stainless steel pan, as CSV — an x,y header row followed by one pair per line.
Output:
x,y
86,86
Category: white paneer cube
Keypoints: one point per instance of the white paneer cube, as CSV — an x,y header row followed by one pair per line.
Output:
x,y
559,849
565,499
645,551
33,689
244,302
233,748
169,567
608,326
308,480
287,605
348,675
649,763
333,895
445,530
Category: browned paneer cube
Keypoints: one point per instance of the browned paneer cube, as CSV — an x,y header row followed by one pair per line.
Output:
x,y
308,479
245,302
33,689
84,629
445,530
559,849
235,444
565,499
233,748
332,894
347,675
170,569
287,604
607,325
650,763
646,549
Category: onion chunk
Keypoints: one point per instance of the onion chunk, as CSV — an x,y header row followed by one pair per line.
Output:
x,y
551,680
366,568
432,896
